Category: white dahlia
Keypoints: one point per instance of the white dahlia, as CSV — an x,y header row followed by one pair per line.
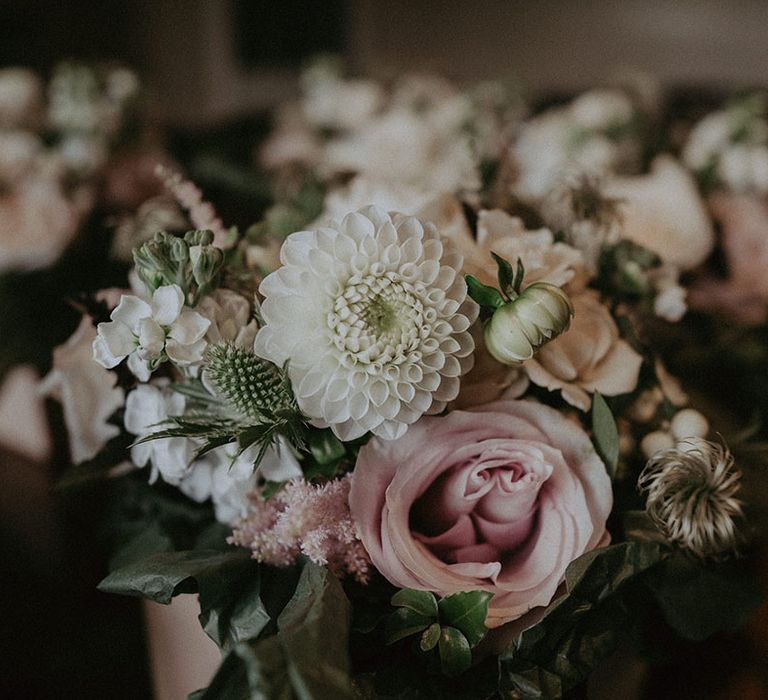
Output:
x,y
372,317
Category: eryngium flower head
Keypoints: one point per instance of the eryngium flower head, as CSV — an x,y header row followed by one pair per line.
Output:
x,y
691,496
373,319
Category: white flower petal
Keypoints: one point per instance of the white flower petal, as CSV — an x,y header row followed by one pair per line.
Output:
x,y
189,327
131,310
139,367
151,339
167,303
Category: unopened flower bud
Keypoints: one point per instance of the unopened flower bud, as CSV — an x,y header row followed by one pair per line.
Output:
x,y
206,263
657,441
179,250
519,328
689,423
199,237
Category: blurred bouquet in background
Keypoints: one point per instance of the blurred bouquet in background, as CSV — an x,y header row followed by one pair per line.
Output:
x,y
420,430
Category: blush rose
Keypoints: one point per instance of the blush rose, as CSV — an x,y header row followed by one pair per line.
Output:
x,y
499,498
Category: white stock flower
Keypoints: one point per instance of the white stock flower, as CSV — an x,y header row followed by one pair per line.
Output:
x,y
576,137
406,147
228,478
373,319
87,393
147,407
146,333
233,477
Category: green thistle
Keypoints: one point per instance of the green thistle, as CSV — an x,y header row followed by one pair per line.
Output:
x,y
255,387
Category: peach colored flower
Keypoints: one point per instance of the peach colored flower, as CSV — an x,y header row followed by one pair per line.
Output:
x,y
543,259
744,294
588,357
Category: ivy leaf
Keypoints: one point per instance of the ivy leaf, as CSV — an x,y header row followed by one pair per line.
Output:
x,y
455,655
698,600
430,638
403,623
484,295
466,612
308,656
605,435
506,275
421,602
228,584
581,627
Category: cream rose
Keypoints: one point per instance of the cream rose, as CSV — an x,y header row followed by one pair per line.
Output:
x,y
588,357
664,212
499,498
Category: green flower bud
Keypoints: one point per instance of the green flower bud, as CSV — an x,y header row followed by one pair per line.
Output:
x,y
179,250
199,237
519,328
206,263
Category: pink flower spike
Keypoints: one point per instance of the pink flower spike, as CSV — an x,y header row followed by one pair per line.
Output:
x,y
305,519
190,197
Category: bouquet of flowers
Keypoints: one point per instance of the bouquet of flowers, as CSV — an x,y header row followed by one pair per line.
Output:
x,y
425,444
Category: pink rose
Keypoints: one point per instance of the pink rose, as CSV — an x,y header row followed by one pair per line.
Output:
x,y
498,498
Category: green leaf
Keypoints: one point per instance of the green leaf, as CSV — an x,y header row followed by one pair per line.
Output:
x,y
430,638
605,435
466,612
698,600
228,584
484,295
271,488
325,447
506,275
308,656
403,623
100,467
421,602
582,627
455,656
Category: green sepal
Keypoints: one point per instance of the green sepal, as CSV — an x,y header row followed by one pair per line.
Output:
x,y
421,602
506,275
485,296
466,612
605,434
228,584
455,654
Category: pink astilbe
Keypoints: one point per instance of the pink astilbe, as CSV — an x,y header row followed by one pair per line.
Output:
x,y
305,519
190,197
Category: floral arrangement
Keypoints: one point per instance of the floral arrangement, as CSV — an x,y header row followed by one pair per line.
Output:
x,y
412,434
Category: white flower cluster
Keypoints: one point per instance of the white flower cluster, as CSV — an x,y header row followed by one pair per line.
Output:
x,y
732,144
147,333
593,134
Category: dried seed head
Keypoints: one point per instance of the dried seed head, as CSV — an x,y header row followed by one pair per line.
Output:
x,y
691,496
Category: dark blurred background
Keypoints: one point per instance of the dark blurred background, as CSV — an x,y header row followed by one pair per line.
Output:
x,y
213,68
